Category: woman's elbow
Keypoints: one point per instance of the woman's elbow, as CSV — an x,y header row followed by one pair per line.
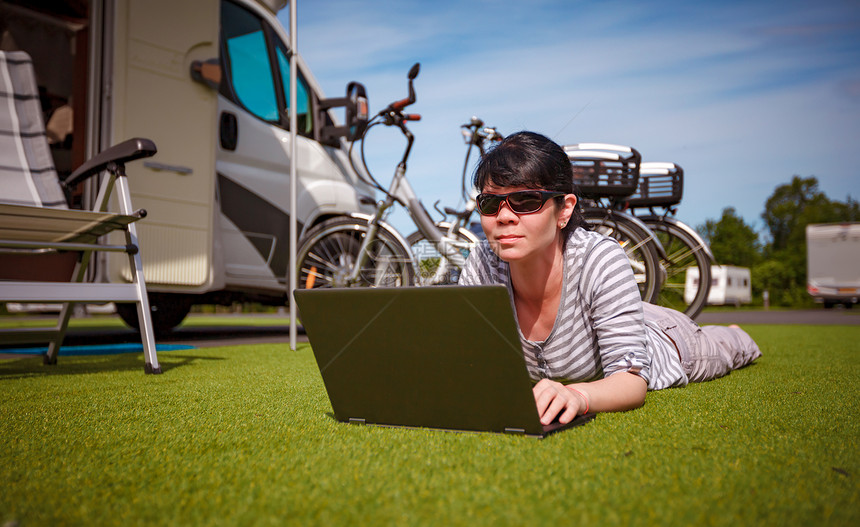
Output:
x,y
638,391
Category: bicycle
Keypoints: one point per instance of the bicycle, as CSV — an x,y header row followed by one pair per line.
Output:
x,y
661,185
363,250
605,175
475,135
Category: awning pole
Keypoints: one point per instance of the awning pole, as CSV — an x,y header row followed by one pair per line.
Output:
x,y
294,124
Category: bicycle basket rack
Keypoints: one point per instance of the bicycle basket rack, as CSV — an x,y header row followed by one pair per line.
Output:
x,y
660,185
604,170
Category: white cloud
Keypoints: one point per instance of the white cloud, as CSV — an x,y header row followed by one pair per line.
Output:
x,y
742,95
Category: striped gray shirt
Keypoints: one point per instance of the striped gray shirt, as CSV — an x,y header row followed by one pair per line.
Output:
x,y
600,328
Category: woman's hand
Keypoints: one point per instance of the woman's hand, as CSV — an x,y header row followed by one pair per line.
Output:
x,y
555,399
616,393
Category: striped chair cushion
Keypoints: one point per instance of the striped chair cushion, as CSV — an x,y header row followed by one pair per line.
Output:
x,y
27,175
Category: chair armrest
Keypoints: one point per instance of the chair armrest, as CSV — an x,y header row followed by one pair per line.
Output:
x,y
121,153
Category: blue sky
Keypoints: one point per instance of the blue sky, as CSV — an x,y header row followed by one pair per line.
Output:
x,y
741,94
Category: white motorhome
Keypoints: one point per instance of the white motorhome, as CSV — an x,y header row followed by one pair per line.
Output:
x,y
730,285
833,263
208,82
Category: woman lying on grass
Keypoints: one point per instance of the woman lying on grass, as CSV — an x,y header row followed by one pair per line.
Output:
x,y
575,299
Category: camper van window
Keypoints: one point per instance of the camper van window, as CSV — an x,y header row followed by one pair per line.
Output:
x,y
302,97
248,67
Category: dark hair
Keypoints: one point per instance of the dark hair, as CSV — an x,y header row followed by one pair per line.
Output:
x,y
531,160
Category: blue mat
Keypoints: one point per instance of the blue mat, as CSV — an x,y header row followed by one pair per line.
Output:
x,y
101,349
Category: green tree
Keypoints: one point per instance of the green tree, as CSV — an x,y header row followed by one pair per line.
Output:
x,y
779,266
795,205
732,241
783,278
787,212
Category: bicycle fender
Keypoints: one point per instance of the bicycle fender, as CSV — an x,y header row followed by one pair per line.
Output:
x,y
684,227
646,231
464,232
384,226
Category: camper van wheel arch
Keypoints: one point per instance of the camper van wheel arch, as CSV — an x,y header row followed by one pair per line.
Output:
x,y
168,311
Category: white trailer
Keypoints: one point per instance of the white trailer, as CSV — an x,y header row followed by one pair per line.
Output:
x,y
833,263
729,285
208,82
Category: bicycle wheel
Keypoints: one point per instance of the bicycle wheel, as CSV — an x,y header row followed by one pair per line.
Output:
x,y
635,242
683,251
429,259
329,252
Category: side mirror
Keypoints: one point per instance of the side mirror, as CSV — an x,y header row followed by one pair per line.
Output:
x,y
357,111
357,114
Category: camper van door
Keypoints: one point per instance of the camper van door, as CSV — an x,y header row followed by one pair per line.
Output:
x,y
149,48
253,162
253,171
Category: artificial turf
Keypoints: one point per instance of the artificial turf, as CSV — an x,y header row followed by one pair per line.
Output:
x,y
244,436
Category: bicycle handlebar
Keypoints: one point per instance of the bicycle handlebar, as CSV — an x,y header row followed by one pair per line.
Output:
x,y
397,106
401,104
474,133
392,115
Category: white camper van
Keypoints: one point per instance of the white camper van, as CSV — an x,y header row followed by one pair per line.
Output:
x,y
833,263
730,285
208,82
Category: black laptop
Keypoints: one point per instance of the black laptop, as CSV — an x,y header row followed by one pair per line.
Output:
x,y
444,357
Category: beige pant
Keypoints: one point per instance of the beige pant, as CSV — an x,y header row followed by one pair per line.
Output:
x,y
706,352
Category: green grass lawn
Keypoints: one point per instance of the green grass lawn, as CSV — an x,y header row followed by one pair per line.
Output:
x,y
244,436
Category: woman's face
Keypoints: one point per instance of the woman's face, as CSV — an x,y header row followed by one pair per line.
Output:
x,y
520,237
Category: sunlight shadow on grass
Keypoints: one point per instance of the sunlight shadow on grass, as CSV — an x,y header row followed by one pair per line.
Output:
x,y
33,366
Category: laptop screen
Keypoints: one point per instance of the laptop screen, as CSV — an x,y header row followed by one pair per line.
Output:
x,y
440,357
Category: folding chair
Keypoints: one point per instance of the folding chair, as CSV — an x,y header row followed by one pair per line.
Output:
x,y
45,247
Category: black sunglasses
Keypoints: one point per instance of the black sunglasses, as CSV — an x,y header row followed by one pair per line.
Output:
x,y
521,201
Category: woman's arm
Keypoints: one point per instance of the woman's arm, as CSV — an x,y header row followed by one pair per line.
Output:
x,y
622,391
615,311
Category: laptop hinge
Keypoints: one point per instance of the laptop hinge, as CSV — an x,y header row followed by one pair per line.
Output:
x,y
518,431
356,421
